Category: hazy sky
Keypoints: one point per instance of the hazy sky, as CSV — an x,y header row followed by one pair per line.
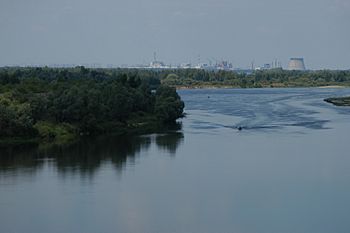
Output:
x,y
129,31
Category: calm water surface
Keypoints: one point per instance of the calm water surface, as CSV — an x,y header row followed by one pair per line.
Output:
x,y
288,170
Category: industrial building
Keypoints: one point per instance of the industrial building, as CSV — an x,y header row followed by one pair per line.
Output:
x,y
296,64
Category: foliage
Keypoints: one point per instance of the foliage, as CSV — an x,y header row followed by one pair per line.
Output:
x,y
261,78
15,119
59,132
58,103
168,105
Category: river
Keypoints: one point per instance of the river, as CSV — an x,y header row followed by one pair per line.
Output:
x,y
287,170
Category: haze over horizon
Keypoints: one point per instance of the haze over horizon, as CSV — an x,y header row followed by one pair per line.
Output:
x,y
128,32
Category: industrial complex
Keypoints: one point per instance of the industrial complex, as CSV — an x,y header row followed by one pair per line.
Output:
x,y
294,64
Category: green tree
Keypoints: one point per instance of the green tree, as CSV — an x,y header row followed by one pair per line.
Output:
x,y
168,106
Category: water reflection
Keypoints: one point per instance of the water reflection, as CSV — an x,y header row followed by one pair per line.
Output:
x,y
19,159
85,156
169,142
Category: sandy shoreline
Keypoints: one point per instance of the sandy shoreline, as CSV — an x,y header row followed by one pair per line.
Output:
x,y
332,86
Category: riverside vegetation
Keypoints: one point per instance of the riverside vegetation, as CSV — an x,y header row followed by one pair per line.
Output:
x,y
194,78
59,105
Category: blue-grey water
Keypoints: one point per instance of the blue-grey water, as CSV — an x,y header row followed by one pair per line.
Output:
x,y
287,170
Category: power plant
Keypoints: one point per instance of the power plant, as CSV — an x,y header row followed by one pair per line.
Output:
x,y
296,64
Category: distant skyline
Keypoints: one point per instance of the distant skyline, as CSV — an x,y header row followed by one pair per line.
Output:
x,y
129,32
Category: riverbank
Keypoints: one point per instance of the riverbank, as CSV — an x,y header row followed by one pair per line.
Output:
x,y
341,101
50,134
273,85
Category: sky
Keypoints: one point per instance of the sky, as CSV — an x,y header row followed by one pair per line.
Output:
x,y
179,31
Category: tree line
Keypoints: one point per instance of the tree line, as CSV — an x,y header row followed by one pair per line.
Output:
x,y
256,79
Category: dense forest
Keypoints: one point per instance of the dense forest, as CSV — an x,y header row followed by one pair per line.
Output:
x,y
60,104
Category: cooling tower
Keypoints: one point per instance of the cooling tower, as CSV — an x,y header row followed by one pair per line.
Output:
x,y
296,64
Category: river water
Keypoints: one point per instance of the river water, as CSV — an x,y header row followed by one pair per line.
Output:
x,y
287,170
